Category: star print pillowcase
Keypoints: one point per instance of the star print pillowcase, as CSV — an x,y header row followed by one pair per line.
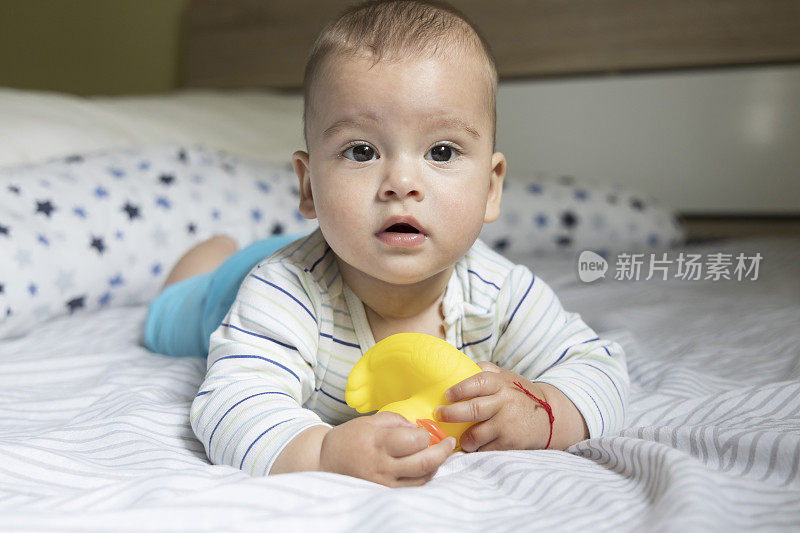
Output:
x,y
91,231
563,216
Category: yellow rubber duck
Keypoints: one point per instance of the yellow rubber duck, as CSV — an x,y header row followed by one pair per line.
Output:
x,y
408,373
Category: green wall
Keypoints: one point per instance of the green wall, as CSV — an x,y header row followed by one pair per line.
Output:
x,y
90,47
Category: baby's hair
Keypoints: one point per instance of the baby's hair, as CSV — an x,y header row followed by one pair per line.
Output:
x,y
395,29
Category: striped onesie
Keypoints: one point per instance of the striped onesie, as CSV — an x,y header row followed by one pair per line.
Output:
x,y
279,362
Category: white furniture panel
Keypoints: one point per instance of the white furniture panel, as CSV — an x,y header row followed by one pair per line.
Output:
x,y
721,141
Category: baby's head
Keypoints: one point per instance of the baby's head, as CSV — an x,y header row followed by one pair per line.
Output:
x,y
399,121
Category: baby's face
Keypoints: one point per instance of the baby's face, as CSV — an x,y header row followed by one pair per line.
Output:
x,y
410,138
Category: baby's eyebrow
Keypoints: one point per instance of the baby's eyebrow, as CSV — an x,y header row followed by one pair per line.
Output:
x,y
340,125
457,124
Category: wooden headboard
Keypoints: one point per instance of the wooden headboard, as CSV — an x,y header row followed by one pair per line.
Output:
x,y
264,43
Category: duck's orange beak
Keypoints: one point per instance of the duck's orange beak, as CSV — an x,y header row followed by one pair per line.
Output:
x,y
437,434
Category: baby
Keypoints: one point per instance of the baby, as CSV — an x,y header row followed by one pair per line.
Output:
x,y
401,174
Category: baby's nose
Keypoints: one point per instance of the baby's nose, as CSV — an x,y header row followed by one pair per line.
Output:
x,y
401,192
401,183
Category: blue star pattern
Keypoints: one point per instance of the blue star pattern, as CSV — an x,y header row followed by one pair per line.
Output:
x,y
104,299
90,231
564,215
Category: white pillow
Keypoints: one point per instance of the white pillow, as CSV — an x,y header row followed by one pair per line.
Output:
x,y
85,232
550,215
39,125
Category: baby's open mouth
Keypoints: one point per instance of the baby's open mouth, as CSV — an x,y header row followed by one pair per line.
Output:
x,y
402,228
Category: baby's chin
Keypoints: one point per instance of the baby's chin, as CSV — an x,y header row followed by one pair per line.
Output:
x,y
398,274
402,274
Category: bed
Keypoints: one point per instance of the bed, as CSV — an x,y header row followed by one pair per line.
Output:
x,y
94,429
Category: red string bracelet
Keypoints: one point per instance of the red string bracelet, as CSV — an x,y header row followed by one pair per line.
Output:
x,y
546,407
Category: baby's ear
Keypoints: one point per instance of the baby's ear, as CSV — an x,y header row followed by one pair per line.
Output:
x,y
495,187
303,171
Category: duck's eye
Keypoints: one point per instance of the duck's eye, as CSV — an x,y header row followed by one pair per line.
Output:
x,y
442,153
360,153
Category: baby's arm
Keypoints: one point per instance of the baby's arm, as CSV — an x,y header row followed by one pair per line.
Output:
x,y
259,375
249,414
548,345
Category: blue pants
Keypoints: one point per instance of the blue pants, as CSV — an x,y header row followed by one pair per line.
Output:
x,y
182,318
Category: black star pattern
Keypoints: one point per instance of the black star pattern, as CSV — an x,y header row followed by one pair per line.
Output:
x,y
182,155
568,219
14,189
4,230
73,158
563,241
277,229
500,245
132,210
166,179
45,207
191,228
97,243
2,288
75,304
637,204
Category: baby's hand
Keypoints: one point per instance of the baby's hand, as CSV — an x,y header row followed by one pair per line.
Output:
x,y
507,419
384,448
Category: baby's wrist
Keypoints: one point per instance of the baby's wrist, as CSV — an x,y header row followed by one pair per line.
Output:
x,y
544,404
569,426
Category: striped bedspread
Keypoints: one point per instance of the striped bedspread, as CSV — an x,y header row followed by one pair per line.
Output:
x,y
94,432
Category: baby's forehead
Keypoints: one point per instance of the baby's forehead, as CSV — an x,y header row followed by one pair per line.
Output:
x,y
350,100
336,71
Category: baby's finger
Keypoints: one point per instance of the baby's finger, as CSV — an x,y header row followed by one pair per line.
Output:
x,y
424,462
481,384
399,442
478,435
491,447
474,410
487,366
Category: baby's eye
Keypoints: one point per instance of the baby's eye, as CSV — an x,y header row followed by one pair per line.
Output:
x,y
360,153
442,153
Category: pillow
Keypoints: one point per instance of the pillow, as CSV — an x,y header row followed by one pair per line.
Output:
x,y
38,125
89,231
563,216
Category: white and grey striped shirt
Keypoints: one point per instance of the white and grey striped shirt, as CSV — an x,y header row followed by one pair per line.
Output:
x,y
279,362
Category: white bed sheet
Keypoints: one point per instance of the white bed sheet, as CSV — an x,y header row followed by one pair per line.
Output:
x,y
94,432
